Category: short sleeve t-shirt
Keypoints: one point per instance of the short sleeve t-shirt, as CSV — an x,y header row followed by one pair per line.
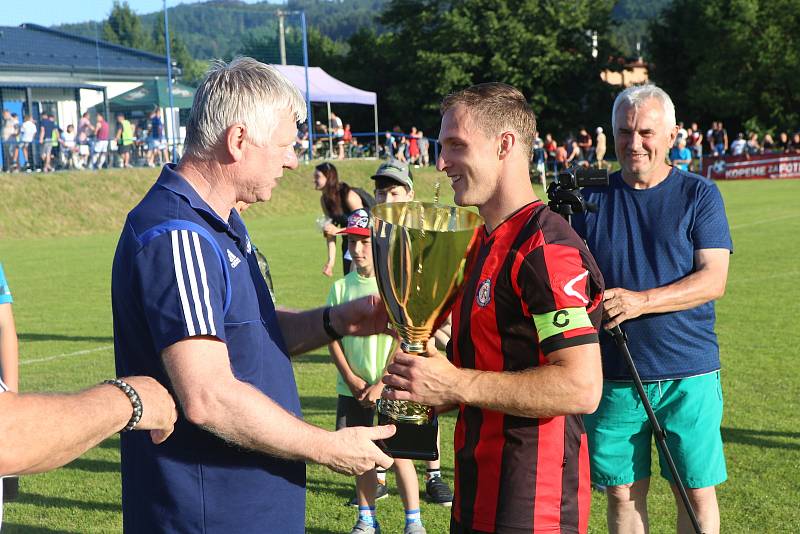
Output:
x,y
9,129
68,138
366,355
127,132
5,291
102,131
681,154
28,131
646,238
48,125
156,128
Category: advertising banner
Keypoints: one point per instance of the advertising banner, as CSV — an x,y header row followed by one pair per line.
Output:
x,y
759,166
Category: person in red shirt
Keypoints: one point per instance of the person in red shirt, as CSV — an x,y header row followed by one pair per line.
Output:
x,y
348,140
524,361
101,131
550,146
413,146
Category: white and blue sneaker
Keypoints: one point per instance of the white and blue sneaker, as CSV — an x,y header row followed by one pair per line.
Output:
x,y
362,527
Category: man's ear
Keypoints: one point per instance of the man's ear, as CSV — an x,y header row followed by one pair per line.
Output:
x,y
673,135
507,142
235,138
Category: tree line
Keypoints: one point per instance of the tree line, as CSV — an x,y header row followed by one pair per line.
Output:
x,y
720,60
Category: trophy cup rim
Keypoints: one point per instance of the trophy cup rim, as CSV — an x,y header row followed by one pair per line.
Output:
x,y
379,212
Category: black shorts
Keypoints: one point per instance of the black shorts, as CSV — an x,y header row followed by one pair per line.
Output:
x,y
124,149
350,413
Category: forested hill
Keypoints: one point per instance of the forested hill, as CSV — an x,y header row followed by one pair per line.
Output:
x,y
631,19
218,28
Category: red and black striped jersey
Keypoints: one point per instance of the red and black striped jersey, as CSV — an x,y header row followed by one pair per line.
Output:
x,y
534,289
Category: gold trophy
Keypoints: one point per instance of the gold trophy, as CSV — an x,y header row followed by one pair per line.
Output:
x,y
422,254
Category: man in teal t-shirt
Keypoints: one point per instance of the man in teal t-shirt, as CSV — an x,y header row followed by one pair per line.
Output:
x,y
9,355
361,362
680,156
9,370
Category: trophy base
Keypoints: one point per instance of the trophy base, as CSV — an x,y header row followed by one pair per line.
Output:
x,y
415,442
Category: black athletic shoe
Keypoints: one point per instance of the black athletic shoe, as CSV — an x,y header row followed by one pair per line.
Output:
x,y
381,493
438,491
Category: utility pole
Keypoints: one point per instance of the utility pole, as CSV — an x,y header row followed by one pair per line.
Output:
x,y
310,119
173,126
282,36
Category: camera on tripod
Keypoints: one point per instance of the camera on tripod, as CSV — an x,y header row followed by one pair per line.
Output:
x,y
576,177
565,192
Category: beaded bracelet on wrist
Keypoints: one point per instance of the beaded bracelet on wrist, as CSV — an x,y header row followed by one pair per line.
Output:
x,y
136,402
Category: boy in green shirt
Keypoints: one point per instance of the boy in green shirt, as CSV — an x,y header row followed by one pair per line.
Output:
x,y
361,362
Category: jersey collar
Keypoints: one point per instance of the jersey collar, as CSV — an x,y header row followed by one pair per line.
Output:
x,y
506,225
173,181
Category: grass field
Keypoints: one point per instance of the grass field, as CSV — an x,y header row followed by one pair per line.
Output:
x,y
57,239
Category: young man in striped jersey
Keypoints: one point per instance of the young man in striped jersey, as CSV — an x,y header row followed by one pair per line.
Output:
x,y
524,361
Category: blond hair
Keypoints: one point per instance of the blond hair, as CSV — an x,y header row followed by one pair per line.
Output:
x,y
496,107
243,91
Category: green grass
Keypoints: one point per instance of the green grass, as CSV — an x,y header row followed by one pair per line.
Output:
x,y
57,239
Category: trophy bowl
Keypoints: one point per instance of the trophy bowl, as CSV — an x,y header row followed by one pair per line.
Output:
x,y
422,253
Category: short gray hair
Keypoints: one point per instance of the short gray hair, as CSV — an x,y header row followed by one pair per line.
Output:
x,y
636,95
243,91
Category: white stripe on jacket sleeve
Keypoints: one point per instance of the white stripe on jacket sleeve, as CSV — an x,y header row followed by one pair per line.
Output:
x,y
201,264
176,260
195,294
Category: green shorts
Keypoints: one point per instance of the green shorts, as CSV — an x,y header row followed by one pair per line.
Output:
x,y
689,409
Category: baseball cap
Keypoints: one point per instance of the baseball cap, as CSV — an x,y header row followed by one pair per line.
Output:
x,y
357,223
395,170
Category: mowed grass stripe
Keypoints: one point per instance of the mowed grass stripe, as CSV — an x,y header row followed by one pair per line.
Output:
x,y
59,269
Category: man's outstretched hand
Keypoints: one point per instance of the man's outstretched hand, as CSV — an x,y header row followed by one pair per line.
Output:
x,y
361,317
352,450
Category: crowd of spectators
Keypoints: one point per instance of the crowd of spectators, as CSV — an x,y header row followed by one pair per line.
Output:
x,y
339,142
336,142
691,145
43,145
412,148
717,142
581,149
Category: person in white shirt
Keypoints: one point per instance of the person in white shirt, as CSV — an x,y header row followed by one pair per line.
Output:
x,y
739,145
69,148
27,133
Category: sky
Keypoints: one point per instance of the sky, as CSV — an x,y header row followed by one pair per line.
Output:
x,y
52,12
